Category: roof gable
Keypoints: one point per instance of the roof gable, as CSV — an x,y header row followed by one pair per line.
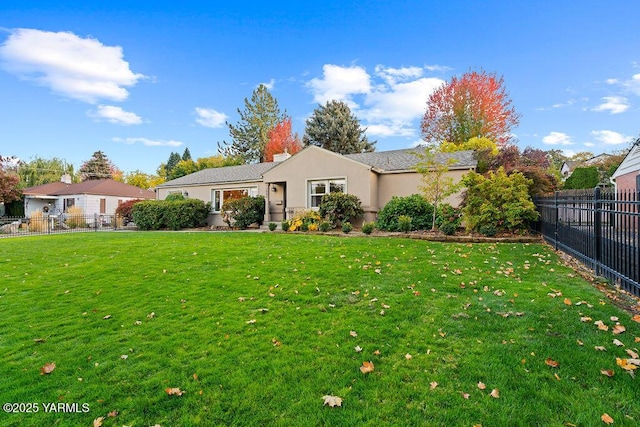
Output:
x,y
630,163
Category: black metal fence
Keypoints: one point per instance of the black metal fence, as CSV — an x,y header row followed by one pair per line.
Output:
x,y
62,223
598,227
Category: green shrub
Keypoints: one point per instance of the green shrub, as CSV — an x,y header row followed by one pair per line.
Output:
x,y
368,227
149,215
405,223
582,178
244,211
176,215
414,206
499,200
448,229
186,213
339,207
272,226
285,225
488,230
448,219
174,197
347,227
324,226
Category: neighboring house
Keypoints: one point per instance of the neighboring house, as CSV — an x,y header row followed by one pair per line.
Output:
x,y
298,182
569,166
94,196
627,176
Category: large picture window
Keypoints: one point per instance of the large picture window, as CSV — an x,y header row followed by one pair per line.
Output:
x,y
218,197
319,188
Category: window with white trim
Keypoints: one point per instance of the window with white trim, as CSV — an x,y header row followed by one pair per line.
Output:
x,y
318,188
218,197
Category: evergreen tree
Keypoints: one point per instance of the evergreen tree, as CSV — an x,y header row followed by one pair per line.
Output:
x,y
332,126
251,134
97,167
174,159
186,155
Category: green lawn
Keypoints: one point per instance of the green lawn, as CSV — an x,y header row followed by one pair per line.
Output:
x,y
255,328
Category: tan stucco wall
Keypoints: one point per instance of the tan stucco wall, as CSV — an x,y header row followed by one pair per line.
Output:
x,y
408,183
315,164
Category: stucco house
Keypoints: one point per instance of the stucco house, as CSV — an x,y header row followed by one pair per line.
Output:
x,y
298,182
100,197
627,177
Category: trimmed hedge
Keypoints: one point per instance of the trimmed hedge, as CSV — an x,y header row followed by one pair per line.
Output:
x,y
414,206
175,215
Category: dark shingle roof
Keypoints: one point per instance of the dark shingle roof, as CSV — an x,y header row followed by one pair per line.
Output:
x,y
397,160
240,173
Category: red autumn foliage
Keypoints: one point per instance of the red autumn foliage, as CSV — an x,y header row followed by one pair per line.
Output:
x,y
281,139
473,105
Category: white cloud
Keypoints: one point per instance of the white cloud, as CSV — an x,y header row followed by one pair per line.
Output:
x,y
75,67
149,142
210,118
557,138
613,104
115,115
340,83
612,81
633,84
589,144
610,137
390,105
269,85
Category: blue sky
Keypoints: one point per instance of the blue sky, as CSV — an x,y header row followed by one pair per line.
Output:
x,y
139,80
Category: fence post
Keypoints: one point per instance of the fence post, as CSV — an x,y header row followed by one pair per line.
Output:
x,y
95,222
597,229
555,221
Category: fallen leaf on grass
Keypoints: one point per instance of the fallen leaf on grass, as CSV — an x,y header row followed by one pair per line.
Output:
x,y
636,318
367,367
618,343
112,414
567,301
633,354
600,324
332,401
585,319
377,352
600,348
607,372
174,391
606,418
98,422
108,316
495,393
433,385
551,362
580,343
408,356
358,349
618,329
47,368
481,386
626,365
353,333
466,395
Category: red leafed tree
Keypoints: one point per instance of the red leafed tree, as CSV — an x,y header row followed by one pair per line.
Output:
x,y
281,139
473,105
9,181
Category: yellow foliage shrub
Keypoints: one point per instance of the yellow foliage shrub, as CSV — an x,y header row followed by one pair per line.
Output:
x,y
75,217
37,222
